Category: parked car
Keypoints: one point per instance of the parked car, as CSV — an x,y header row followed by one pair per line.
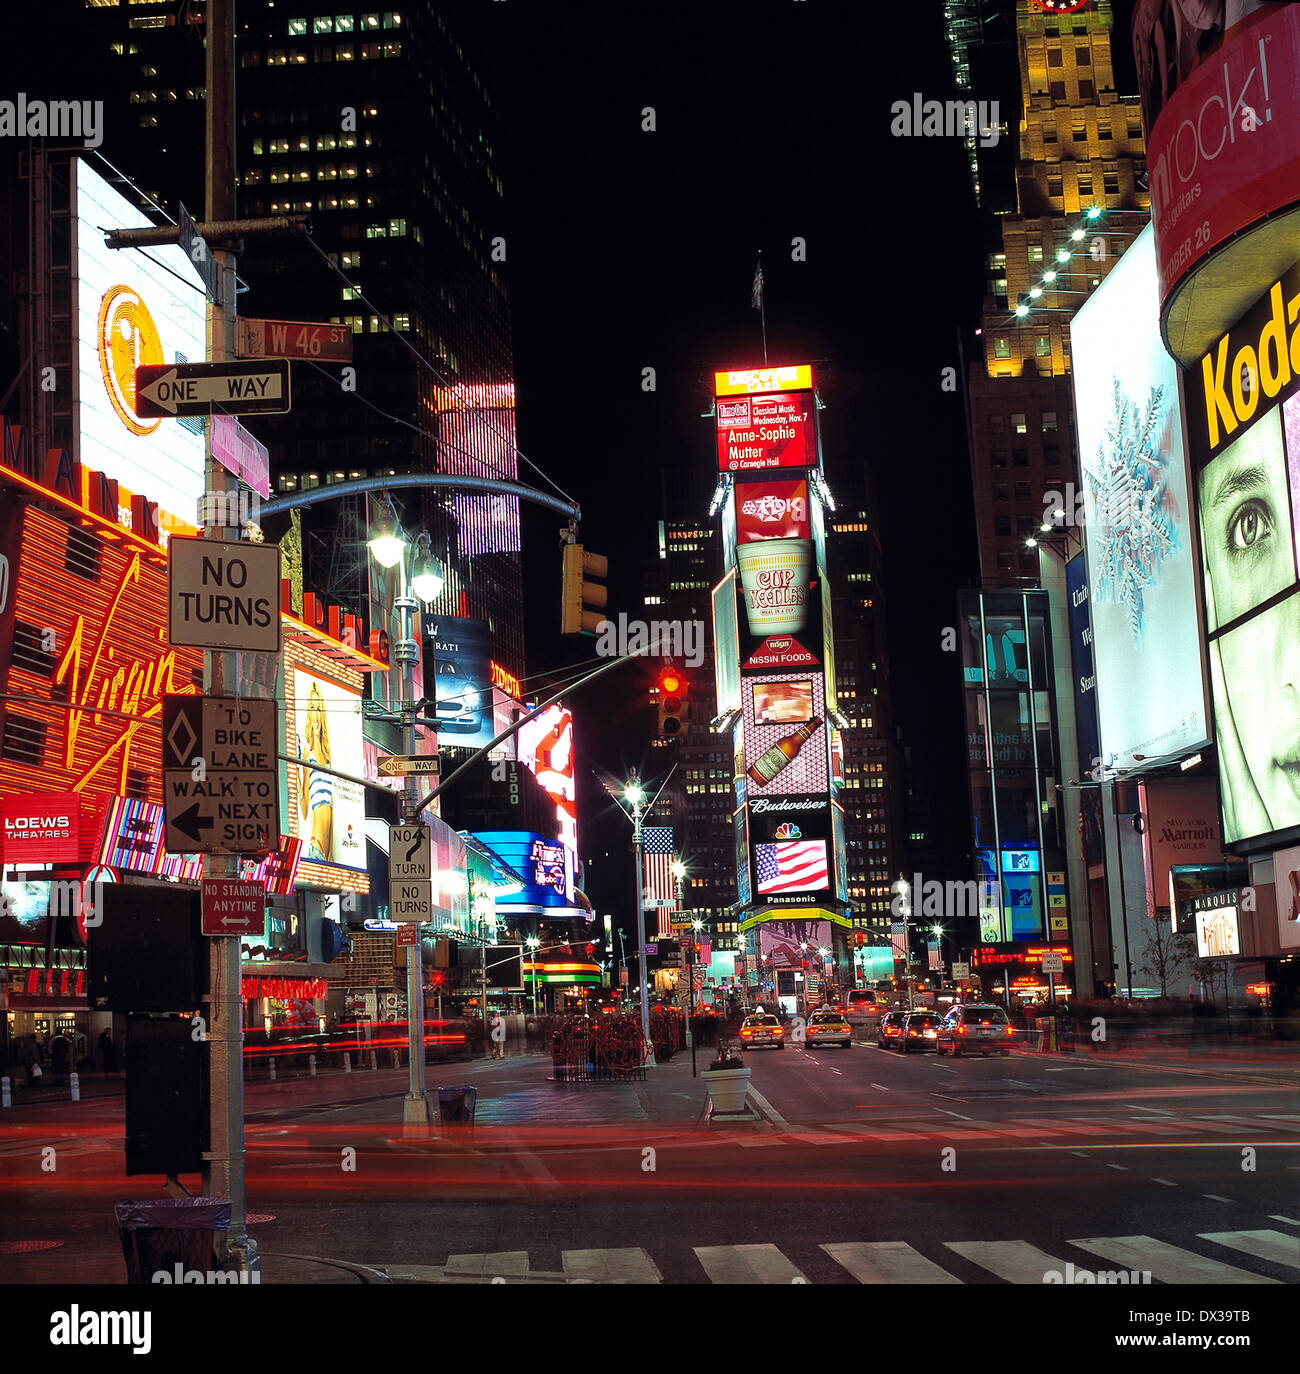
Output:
x,y
765,1029
828,1028
919,1032
976,1028
890,1028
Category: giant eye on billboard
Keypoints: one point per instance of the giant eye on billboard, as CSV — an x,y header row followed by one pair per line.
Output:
x,y
1244,423
133,307
1146,634
329,815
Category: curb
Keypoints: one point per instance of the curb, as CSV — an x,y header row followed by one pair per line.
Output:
x,y
364,1272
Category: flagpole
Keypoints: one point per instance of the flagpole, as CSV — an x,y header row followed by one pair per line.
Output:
x,y
762,307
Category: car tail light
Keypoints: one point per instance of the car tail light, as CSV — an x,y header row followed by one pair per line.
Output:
x,y
961,1030
745,1031
780,1030
1011,1030
911,1032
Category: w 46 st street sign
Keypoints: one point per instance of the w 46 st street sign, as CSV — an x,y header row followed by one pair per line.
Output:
x,y
177,390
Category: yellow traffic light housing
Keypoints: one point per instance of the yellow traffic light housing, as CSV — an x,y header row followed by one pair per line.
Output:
x,y
577,594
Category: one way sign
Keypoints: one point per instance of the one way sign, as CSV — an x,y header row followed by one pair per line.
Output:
x,y
175,390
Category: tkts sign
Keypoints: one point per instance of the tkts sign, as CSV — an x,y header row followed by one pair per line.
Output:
x,y
89,666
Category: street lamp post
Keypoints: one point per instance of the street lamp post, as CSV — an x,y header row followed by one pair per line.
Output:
x,y
390,549
635,795
533,942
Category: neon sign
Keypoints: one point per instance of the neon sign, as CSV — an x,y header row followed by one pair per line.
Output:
x,y
508,682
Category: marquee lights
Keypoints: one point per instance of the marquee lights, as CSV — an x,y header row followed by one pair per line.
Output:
x,y
1063,255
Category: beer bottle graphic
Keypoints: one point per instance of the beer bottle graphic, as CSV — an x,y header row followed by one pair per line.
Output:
x,y
773,760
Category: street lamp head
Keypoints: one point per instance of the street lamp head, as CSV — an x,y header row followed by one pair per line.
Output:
x,y
634,792
387,542
428,579
679,869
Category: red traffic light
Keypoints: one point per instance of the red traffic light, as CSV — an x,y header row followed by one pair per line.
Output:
x,y
590,950
670,682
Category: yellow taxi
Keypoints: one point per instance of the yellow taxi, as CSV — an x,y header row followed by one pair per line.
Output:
x,y
828,1028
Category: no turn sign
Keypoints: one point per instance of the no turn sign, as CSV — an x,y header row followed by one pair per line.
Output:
x,y
223,594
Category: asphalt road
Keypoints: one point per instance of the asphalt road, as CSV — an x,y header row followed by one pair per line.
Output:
x,y
870,1167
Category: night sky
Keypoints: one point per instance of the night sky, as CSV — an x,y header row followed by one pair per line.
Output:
x,y
629,249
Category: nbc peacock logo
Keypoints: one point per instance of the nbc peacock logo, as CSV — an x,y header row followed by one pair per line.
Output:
x,y
128,338
787,830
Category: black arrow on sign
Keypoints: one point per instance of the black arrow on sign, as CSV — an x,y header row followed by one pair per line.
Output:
x,y
189,822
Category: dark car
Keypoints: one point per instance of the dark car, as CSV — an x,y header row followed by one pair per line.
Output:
x,y
976,1028
890,1028
919,1032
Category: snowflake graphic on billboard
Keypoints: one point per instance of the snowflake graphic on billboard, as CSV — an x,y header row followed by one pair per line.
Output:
x,y
1131,514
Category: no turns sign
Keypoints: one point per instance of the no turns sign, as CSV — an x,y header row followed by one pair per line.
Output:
x,y
223,594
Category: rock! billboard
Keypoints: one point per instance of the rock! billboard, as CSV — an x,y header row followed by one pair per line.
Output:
x,y
1221,98
756,433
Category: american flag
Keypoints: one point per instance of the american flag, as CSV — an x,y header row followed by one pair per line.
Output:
x,y
660,885
791,866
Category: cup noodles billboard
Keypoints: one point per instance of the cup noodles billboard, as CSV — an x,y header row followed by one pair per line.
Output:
x,y
766,431
132,307
1220,84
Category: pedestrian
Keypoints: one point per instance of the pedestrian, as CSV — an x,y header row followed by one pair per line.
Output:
x,y
60,1057
108,1052
29,1057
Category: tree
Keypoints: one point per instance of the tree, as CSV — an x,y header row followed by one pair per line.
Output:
x,y
1166,956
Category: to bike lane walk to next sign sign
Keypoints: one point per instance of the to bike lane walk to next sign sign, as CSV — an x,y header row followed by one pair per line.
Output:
x,y
410,873
221,791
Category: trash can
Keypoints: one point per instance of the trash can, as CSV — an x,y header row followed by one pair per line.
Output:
x,y
456,1105
160,1234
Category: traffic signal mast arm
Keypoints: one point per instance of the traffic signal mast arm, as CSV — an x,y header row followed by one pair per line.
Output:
x,y
522,721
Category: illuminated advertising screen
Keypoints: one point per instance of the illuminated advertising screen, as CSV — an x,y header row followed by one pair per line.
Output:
x,y
791,841
457,655
726,645
546,750
133,836
1220,88
1286,889
1085,677
133,307
782,605
771,431
545,867
1244,424
757,381
787,742
740,827
1138,533
787,944
772,510
329,812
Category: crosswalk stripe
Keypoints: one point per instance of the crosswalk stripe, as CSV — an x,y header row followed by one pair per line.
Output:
x,y
1016,1261
1167,1263
1276,1246
746,1264
887,1261
500,1263
630,1265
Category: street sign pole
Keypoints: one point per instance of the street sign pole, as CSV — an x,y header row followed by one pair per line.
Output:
x,y
223,1175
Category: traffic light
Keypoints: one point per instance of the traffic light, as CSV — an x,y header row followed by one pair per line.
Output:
x,y
672,703
577,593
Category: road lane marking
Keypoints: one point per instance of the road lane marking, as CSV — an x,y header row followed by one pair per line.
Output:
x,y
1290,1221
1122,1167
1168,1263
881,1087
887,1261
1016,1261
1080,1154
1275,1246
1214,1197
766,1107
1165,1181
630,1265
946,1112
746,1264
501,1264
